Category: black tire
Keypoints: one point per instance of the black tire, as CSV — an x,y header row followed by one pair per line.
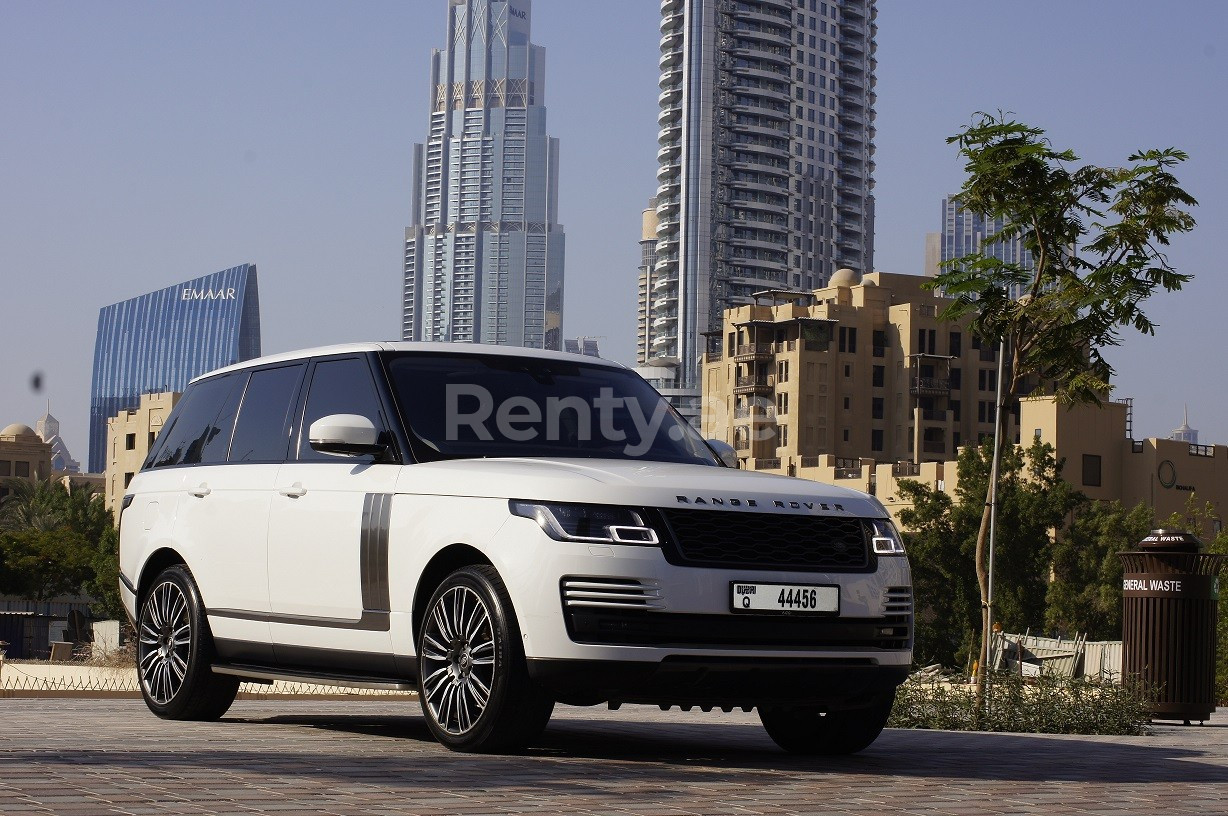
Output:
x,y
473,684
175,652
835,733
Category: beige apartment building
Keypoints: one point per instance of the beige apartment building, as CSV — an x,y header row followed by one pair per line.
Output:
x,y
23,455
130,435
861,384
1104,461
862,369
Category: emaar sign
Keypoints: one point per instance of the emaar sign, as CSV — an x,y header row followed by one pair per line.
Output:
x,y
208,294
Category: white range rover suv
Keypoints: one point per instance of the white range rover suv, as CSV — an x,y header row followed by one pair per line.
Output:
x,y
500,529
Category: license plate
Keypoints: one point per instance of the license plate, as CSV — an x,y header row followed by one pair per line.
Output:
x,y
803,599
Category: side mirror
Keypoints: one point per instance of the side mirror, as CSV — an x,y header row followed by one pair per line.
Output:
x,y
345,435
724,451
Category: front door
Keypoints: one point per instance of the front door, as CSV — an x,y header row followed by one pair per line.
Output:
x,y
328,537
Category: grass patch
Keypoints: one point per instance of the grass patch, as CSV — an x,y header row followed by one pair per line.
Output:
x,y
1044,705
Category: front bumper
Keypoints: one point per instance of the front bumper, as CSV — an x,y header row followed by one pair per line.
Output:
x,y
611,604
826,683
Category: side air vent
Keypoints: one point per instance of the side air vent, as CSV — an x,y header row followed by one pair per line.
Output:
x,y
610,593
897,601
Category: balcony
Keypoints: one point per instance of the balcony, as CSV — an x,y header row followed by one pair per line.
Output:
x,y
852,45
753,351
905,470
756,413
930,387
762,384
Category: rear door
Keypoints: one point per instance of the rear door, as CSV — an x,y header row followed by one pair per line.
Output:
x,y
235,511
328,535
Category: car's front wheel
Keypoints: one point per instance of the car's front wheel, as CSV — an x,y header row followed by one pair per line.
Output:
x,y
175,652
811,731
474,687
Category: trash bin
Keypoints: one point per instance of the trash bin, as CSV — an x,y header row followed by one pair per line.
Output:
x,y
1170,597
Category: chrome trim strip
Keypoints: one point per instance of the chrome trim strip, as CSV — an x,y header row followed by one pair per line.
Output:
x,y
261,674
369,622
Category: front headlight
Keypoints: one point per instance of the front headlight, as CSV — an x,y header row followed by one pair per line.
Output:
x,y
588,522
884,538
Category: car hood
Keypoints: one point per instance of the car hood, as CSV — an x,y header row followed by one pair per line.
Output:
x,y
636,483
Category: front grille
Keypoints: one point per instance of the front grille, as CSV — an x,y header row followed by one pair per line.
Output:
x,y
610,593
766,541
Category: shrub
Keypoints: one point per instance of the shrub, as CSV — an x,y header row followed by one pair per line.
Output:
x,y
1044,705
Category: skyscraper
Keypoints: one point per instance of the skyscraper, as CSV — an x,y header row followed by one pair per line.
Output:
x,y
964,233
766,149
161,340
484,255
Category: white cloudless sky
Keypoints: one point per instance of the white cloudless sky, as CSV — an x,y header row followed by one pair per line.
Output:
x,y
144,144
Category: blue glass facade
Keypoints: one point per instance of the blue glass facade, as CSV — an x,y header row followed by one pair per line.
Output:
x,y
160,341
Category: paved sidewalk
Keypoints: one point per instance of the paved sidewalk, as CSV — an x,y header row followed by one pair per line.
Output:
x,y
375,757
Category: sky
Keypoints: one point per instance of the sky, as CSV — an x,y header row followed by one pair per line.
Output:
x,y
143,144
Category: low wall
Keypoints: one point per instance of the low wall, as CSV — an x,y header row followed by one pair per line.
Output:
x,y
78,680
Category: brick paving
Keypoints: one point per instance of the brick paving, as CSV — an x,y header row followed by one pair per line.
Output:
x,y
317,757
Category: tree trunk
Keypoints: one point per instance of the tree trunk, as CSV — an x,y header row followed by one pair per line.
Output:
x,y
983,577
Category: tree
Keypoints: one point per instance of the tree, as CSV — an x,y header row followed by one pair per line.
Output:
x,y
1032,500
57,540
31,505
1097,237
1085,595
42,564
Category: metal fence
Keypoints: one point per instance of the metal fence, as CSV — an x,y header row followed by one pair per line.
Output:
x,y
1032,655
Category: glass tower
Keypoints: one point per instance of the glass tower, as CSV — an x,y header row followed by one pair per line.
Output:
x,y
964,233
160,341
484,255
765,157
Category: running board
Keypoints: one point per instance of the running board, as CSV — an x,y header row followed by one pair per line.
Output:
x,y
261,674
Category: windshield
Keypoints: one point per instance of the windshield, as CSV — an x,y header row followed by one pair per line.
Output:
x,y
464,405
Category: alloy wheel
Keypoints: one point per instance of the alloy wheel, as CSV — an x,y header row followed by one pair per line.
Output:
x,y
165,642
458,651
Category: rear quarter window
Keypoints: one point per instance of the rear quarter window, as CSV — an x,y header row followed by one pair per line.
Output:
x,y
198,430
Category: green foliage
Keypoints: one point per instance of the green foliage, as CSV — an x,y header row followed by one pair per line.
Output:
x,y
58,541
1045,705
1097,238
1085,595
103,587
41,564
1032,500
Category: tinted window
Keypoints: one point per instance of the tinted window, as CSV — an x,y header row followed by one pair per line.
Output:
x,y
200,424
263,429
496,405
338,387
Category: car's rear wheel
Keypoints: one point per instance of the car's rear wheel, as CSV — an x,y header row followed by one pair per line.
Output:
x,y
473,684
832,733
175,652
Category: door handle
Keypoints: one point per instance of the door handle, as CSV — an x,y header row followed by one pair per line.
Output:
x,y
200,491
293,491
